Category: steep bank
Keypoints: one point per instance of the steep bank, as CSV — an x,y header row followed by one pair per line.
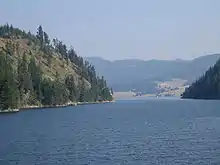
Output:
x,y
38,71
207,86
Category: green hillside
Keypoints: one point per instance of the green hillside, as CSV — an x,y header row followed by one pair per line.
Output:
x,y
37,70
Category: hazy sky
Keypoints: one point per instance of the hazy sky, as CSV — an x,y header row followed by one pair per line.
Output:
x,y
118,29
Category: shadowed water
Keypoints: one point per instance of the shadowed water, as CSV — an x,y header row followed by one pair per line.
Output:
x,y
135,132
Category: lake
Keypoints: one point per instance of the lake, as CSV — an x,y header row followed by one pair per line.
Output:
x,y
131,132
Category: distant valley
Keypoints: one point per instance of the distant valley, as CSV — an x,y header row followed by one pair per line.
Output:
x,y
153,76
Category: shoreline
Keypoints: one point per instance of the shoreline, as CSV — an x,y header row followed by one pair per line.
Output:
x,y
70,104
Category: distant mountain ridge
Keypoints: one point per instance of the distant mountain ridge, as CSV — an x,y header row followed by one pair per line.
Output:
x,y
140,75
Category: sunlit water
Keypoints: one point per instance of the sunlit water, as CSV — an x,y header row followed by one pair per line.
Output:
x,y
136,132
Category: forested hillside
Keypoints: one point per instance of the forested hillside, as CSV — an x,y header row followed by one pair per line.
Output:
x,y
207,86
37,70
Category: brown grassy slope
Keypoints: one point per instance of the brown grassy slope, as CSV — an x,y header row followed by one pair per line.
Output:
x,y
57,63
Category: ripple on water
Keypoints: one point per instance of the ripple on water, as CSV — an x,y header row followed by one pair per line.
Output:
x,y
135,133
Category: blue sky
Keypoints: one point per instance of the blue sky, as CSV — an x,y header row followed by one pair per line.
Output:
x,y
119,29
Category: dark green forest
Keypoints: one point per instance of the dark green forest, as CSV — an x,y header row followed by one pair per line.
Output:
x,y
30,75
207,86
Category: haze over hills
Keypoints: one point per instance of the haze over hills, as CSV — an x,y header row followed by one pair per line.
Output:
x,y
143,76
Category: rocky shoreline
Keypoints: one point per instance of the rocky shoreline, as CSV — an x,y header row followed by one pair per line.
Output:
x,y
9,111
30,107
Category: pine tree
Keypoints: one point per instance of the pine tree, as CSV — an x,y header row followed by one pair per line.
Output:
x,y
81,88
40,36
25,81
46,39
9,95
70,85
35,73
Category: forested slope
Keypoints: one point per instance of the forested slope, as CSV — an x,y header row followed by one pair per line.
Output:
x,y
207,86
37,70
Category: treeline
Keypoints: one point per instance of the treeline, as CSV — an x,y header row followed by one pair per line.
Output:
x,y
23,82
207,86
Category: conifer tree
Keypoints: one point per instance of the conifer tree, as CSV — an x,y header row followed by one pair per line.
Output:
x,y
40,36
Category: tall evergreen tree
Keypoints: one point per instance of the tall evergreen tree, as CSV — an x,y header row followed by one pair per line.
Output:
x,y
46,39
40,36
70,85
81,88
25,81
9,95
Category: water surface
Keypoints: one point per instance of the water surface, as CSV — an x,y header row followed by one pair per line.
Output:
x,y
134,132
